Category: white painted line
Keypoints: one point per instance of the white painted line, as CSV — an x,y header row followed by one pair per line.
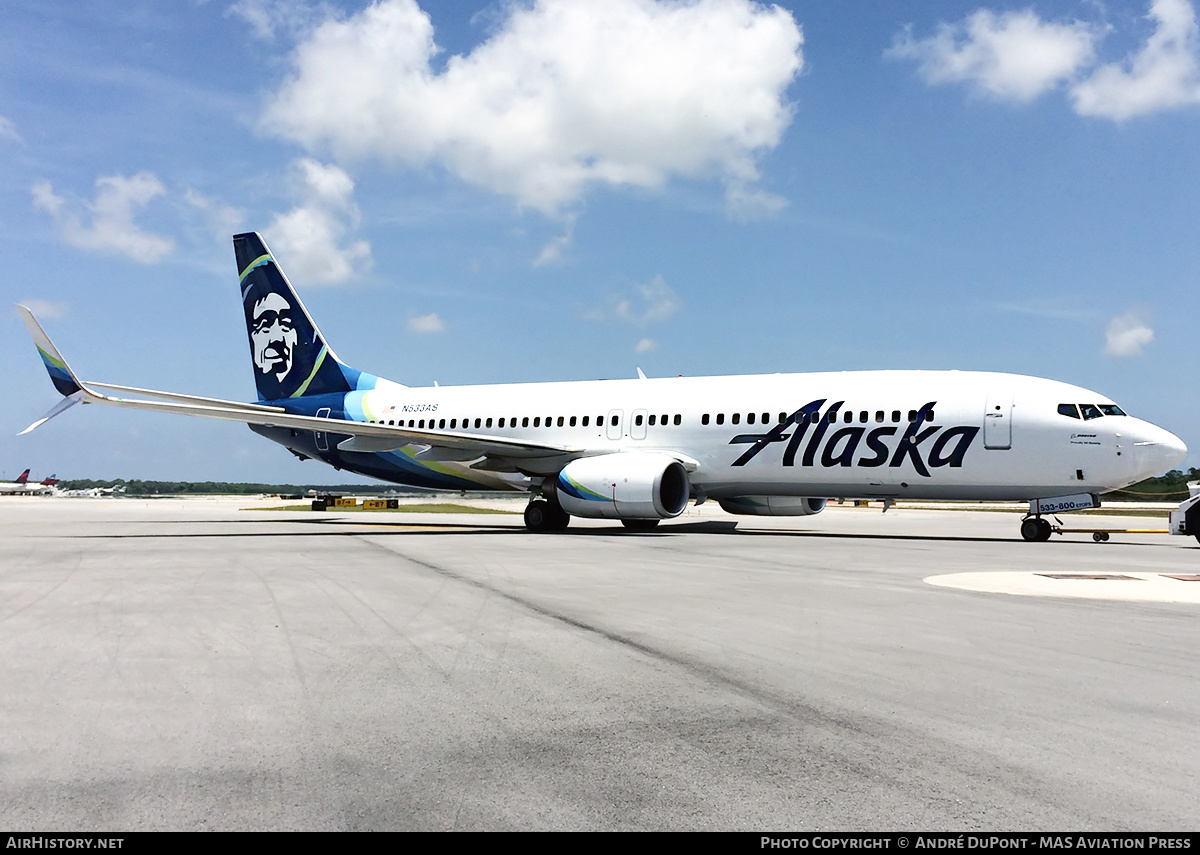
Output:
x,y
1142,587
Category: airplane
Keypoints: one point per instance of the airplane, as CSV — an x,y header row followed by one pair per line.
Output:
x,y
639,450
17,486
22,487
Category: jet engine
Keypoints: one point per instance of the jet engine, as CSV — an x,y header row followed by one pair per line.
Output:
x,y
773,506
628,485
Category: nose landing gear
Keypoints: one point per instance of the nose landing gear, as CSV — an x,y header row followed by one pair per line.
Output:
x,y
1035,529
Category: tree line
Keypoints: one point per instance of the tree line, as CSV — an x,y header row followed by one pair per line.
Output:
x,y
1169,487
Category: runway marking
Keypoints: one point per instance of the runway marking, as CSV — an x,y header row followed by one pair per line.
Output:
x,y
1096,577
1155,587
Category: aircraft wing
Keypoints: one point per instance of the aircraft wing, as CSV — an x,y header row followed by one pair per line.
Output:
x,y
362,436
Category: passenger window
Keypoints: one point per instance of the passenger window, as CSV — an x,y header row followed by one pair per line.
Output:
x,y
720,418
663,420
572,421
736,418
782,418
895,415
929,415
537,421
477,421
560,421
441,424
637,420
879,416
488,423
862,416
1090,411
599,421
453,424
652,420
1069,410
585,420
678,419
750,418
525,421
616,420
912,415
704,419
848,417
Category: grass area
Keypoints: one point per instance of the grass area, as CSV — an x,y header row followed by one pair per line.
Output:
x,y
447,508
1153,513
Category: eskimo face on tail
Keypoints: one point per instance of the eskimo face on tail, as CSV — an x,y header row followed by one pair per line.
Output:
x,y
273,335
291,360
283,344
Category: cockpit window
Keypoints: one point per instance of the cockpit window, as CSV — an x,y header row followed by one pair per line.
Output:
x,y
1111,410
1090,411
1068,410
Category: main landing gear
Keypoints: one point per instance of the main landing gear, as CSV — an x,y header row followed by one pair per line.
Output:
x,y
1035,529
543,515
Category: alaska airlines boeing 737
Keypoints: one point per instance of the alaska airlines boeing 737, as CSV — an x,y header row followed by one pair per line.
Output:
x,y
638,450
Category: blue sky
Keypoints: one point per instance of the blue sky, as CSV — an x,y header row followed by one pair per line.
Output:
x,y
502,192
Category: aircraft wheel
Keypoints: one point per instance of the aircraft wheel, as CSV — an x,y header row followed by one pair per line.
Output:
x,y
537,515
639,525
541,515
1030,530
559,519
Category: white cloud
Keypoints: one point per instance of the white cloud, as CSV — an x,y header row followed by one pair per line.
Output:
x,y
312,236
1126,335
111,227
8,130
1163,75
1017,56
425,324
45,309
222,220
267,17
1014,56
655,302
564,95
553,251
645,345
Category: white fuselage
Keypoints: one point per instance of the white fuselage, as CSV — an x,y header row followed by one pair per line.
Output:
x,y
918,434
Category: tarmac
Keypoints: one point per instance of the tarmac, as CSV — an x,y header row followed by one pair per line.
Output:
x,y
207,664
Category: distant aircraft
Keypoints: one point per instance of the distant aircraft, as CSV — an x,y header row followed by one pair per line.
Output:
x,y
22,487
638,450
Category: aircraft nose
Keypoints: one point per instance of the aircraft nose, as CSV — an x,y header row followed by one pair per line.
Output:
x,y
1158,449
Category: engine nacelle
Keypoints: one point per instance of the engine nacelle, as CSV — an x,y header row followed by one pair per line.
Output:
x,y
627,485
773,506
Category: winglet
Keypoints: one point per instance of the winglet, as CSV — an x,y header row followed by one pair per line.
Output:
x,y
61,375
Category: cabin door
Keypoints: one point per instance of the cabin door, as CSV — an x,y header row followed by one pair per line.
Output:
x,y
997,421
321,437
614,423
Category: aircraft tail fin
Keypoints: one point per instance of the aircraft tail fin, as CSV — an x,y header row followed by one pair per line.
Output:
x,y
290,356
23,477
